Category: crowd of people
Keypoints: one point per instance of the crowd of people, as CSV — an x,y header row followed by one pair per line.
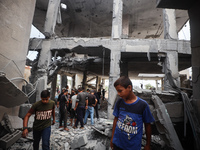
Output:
x,y
78,106
130,113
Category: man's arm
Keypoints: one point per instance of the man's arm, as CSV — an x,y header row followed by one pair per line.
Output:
x,y
57,104
95,103
113,131
148,135
86,104
53,114
25,122
76,105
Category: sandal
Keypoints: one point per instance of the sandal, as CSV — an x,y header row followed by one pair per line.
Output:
x,y
74,127
66,129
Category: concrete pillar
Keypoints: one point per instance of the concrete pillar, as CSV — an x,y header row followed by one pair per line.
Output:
x,y
171,61
98,83
156,84
43,63
194,14
171,64
84,82
53,88
125,26
169,22
73,81
51,17
63,81
115,57
117,19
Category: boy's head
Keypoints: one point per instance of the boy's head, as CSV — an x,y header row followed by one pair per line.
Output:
x,y
124,81
123,85
45,95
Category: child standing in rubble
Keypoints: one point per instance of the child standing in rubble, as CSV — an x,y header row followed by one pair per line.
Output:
x,y
130,113
43,111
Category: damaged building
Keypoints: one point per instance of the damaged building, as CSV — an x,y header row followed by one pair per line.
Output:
x,y
97,40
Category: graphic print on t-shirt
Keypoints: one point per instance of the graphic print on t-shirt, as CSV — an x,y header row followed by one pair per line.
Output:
x,y
128,125
43,115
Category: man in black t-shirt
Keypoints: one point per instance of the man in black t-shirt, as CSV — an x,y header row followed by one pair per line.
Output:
x,y
92,101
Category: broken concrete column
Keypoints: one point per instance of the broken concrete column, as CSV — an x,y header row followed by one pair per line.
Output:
x,y
51,17
171,61
117,19
84,82
53,88
73,81
98,82
171,64
115,57
43,63
63,81
169,21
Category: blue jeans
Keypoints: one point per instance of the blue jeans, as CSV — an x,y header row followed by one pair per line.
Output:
x,y
45,134
90,111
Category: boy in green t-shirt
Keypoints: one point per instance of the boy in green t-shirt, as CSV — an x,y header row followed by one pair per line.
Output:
x,y
43,111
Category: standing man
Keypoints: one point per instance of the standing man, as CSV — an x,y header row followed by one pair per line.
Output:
x,y
73,114
43,111
92,101
63,110
96,106
81,105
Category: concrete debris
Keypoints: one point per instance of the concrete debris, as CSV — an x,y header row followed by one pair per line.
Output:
x,y
80,141
24,108
164,124
10,138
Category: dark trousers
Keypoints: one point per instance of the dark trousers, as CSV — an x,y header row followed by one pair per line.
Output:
x,y
45,134
63,117
96,111
80,114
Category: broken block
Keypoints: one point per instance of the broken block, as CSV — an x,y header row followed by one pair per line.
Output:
x,y
77,143
8,139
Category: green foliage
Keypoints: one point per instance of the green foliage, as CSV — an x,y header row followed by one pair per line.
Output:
x,y
149,86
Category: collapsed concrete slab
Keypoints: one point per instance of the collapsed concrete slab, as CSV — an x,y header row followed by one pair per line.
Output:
x,y
164,124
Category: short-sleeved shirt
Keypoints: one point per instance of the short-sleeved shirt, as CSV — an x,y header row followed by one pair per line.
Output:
x,y
74,97
91,99
43,113
129,127
81,97
62,102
